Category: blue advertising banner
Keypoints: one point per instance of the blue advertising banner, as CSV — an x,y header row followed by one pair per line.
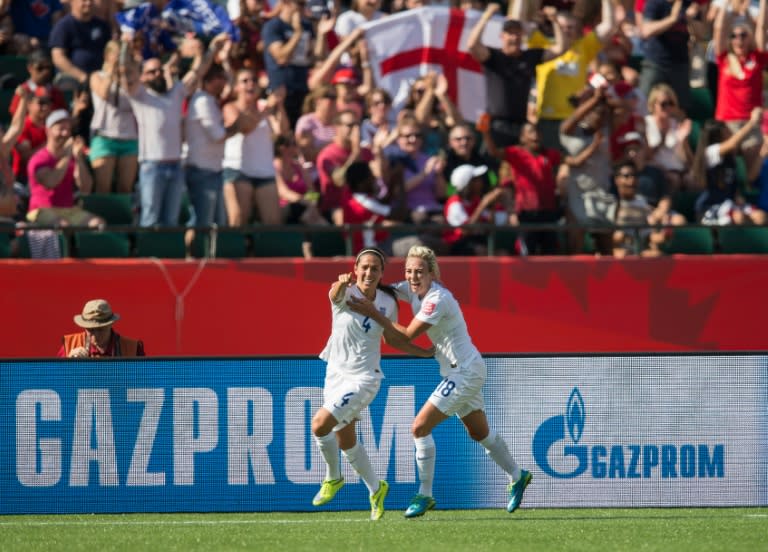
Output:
x,y
202,435
207,435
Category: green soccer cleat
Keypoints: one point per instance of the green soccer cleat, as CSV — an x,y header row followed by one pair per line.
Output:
x,y
327,491
517,489
419,506
377,500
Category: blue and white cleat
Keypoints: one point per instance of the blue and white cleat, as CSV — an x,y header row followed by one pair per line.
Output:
x,y
517,489
419,506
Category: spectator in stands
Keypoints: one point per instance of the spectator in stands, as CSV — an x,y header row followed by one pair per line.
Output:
x,y
722,201
288,54
55,173
114,134
343,74
433,109
248,52
298,197
584,136
509,72
666,132
532,172
206,136
315,129
633,210
665,28
564,76
249,177
379,109
469,205
40,68
335,158
425,185
32,22
156,101
651,182
32,136
77,41
462,150
98,338
364,205
741,60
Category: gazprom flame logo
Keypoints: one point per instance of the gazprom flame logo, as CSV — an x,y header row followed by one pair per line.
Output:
x,y
553,430
617,460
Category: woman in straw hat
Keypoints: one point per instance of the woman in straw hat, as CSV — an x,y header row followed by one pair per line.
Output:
x,y
98,339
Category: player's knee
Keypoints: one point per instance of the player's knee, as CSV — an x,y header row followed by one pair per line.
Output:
x,y
477,434
419,430
320,427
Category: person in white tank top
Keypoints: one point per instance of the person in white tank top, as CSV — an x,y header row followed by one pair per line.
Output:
x,y
353,375
438,314
249,177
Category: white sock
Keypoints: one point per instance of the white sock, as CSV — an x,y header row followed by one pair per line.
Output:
x,y
329,448
358,459
425,462
497,449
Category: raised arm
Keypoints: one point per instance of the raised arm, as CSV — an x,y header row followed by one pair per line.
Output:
x,y
760,26
17,123
202,62
324,72
734,140
607,25
476,48
651,28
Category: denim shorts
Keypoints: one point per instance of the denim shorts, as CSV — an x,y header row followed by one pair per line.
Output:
x,y
234,175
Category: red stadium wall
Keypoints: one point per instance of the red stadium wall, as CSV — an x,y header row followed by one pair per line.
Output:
x,y
279,306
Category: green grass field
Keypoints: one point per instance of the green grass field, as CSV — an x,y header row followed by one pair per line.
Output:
x,y
531,530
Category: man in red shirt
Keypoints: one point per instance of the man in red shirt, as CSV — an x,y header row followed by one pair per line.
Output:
x,y
532,174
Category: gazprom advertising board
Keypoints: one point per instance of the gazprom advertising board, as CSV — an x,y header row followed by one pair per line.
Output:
x,y
234,434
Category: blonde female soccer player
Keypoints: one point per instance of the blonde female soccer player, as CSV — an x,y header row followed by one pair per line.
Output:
x,y
437,313
353,375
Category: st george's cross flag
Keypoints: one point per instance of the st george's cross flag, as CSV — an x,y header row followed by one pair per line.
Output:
x,y
407,45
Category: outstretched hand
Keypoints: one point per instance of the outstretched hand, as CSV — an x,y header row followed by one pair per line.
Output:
x,y
361,305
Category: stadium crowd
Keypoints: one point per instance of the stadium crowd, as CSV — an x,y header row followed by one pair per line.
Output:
x,y
598,115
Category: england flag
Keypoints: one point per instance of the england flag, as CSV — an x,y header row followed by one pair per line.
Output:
x,y
409,44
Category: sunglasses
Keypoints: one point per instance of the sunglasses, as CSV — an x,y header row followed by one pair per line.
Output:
x,y
462,138
412,135
666,104
379,102
44,101
43,67
742,35
152,71
626,174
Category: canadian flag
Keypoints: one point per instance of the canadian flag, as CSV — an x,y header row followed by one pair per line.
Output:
x,y
409,44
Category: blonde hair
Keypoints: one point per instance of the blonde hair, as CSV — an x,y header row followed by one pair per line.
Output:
x,y
658,90
427,255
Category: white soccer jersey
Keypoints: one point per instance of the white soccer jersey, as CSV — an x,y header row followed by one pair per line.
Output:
x,y
454,349
354,348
